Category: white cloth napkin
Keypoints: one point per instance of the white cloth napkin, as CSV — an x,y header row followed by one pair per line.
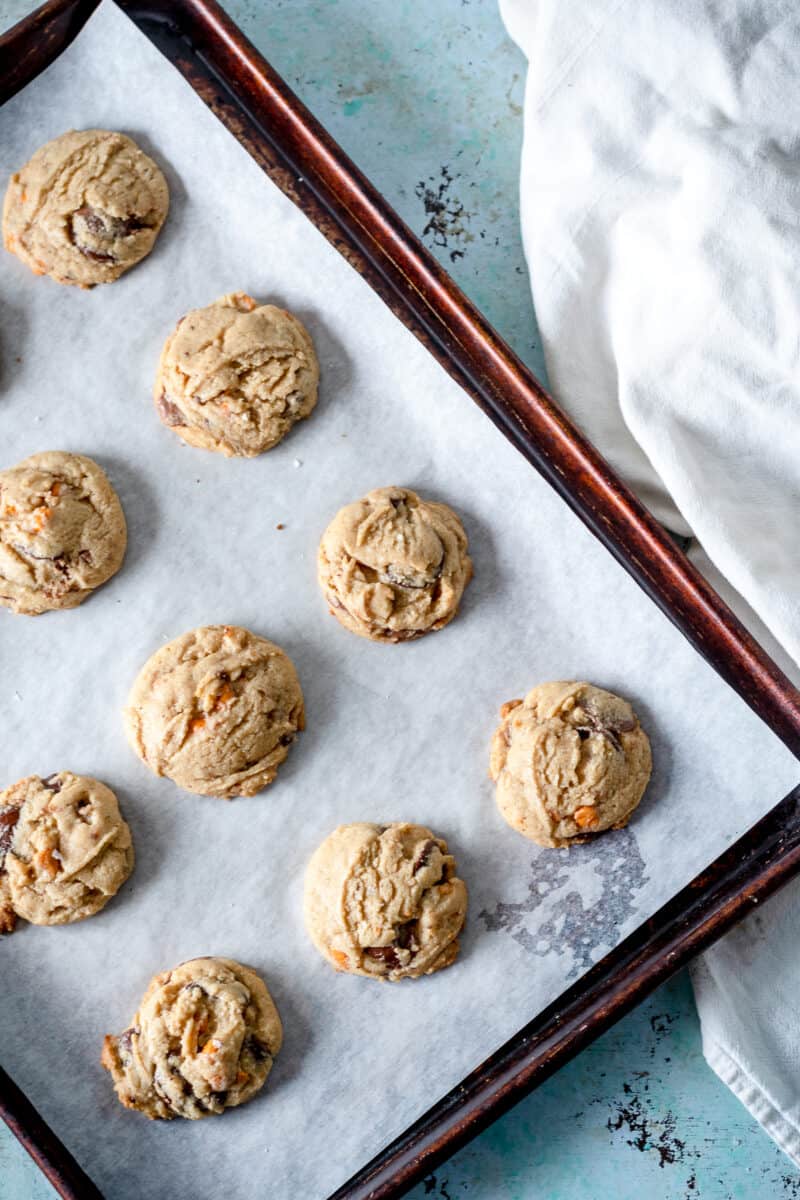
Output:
x,y
660,198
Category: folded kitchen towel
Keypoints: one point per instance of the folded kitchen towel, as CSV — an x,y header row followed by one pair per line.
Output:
x,y
660,200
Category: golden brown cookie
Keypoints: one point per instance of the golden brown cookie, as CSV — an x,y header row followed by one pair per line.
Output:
x,y
216,711
236,375
570,760
85,208
64,849
385,901
394,567
62,532
12,801
203,1040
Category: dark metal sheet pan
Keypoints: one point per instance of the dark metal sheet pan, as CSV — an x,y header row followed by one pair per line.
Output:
x,y
292,148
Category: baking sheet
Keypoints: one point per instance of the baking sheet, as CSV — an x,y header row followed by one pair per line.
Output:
x,y
393,732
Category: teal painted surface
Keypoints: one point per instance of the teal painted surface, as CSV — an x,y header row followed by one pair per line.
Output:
x,y
427,99
637,1116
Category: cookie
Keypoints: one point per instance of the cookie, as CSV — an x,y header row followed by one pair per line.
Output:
x,y
64,849
236,375
11,801
570,760
394,567
216,711
203,1040
85,208
62,532
385,901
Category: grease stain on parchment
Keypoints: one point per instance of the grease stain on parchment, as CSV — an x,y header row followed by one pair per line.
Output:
x,y
570,923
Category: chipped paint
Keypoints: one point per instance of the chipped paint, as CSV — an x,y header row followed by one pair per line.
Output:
x,y
647,1132
433,1187
448,224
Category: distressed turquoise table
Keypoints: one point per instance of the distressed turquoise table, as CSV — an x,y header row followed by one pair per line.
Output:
x,y
427,99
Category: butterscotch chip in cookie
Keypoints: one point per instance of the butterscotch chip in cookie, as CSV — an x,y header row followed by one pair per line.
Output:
x,y
385,901
216,711
203,1040
570,760
236,375
64,849
62,532
394,567
85,208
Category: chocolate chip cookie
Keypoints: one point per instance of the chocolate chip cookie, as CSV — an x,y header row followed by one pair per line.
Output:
x,y
62,532
385,901
236,375
64,849
216,711
570,760
394,567
203,1040
85,208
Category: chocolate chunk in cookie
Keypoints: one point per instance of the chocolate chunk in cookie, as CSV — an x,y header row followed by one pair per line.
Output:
x,y
570,760
62,532
85,208
236,376
64,849
216,711
204,1039
385,901
394,567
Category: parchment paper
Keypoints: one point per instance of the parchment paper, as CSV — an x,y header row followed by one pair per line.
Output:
x,y
393,732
